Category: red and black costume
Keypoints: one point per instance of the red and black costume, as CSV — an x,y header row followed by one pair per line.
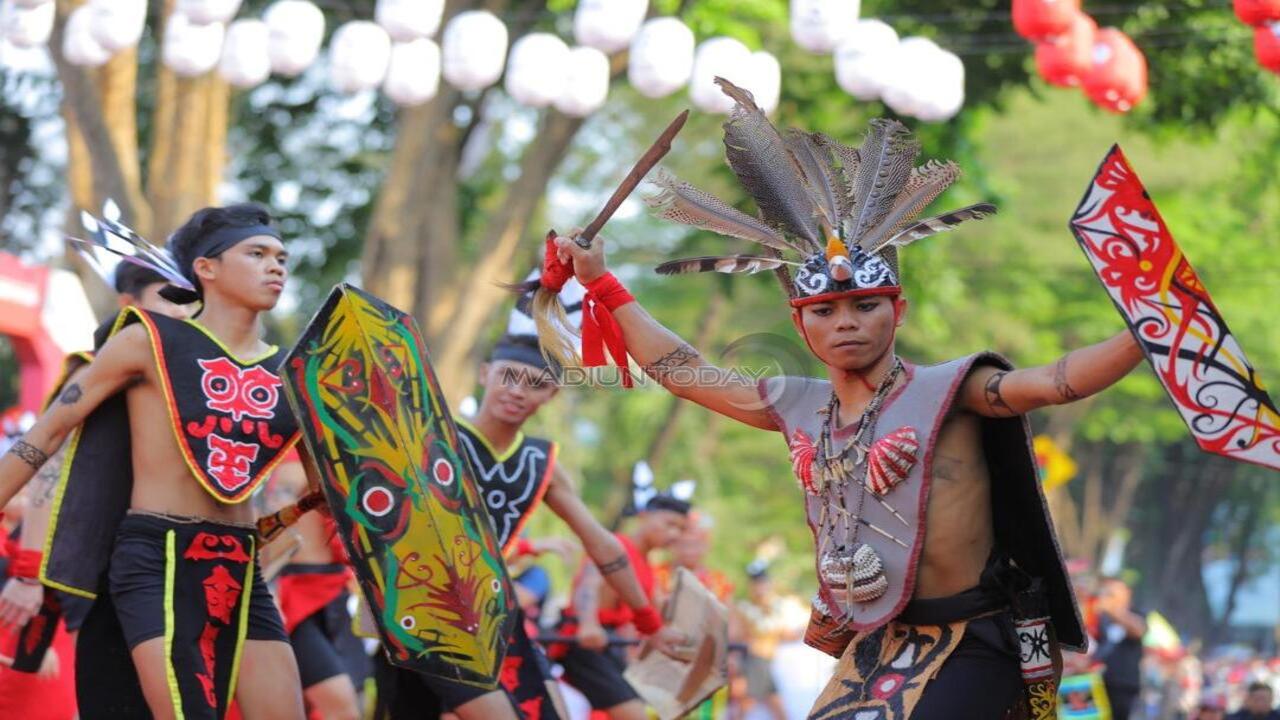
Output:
x,y
191,581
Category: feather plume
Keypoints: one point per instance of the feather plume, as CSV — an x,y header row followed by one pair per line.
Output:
x,y
683,203
885,161
760,158
927,182
937,224
849,162
730,264
821,178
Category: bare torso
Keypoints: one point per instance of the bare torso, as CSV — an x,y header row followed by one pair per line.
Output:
x,y
958,535
162,480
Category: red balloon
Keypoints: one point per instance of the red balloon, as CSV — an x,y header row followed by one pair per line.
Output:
x,y
1266,44
1117,79
1067,58
1257,12
1039,20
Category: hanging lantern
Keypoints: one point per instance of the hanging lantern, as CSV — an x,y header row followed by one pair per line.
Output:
x,y
190,49
661,57
78,45
1257,12
245,61
586,84
1266,44
358,56
1040,20
203,12
536,69
718,56
1065,59
819,25
296,28
909,82
28,27
413,75
860,64
1117,80
764,80
945,82
28,4
406,20
118,24
474,49
608,25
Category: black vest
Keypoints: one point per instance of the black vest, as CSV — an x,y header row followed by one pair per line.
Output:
x,y
513,483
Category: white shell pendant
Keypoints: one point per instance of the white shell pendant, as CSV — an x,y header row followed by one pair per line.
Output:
x,y
858,574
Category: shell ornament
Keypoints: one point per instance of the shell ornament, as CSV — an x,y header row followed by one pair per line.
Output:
x,y
891,459
858,575
803,453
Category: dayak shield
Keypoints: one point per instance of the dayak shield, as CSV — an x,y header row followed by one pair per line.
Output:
x,y
1195,356
405,502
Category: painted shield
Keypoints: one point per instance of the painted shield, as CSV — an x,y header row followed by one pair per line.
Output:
x,y
1195,356
406,505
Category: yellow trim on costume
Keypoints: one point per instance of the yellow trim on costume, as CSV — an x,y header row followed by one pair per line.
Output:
x,y
195,324
501,457
243,630
64,473
170,566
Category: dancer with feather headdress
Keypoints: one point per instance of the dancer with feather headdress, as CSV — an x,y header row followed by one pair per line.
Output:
x,y
941,587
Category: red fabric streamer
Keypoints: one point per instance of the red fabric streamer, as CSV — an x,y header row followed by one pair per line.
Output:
x,y
554,272
23,563
647,620
600,331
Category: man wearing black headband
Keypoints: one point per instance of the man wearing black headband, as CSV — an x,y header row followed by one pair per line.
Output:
x,y
515,473
596,612
177,423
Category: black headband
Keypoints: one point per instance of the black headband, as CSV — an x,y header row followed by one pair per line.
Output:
x,y
527,352
210,246
668,502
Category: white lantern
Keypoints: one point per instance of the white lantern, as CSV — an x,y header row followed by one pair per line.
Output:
x,y
203,12
861,69
245,61
536,69
118,24
78,45
819,25
406,20
474,49
661,58
722,57
28,27
190,49
586,82
296,30
413,75
945,96
358,56
764,80
911,82
608,25
28,4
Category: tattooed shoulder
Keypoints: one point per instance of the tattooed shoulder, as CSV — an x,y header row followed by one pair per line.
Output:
x,y
71,394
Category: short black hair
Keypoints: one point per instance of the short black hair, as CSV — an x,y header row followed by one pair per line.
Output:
x,y
1259,685
185,240
132,279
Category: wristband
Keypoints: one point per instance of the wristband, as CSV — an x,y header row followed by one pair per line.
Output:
x,y
609,292
25,564
647,620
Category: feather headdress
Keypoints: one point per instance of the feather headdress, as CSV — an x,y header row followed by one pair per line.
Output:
x,y
111,242
844,211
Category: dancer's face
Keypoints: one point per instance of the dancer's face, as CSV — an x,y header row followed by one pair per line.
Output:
x,y
149,299
661,528
250,273
850,333
513,391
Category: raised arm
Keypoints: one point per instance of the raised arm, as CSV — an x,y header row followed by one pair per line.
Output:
x,y
122,360
996,393
666,357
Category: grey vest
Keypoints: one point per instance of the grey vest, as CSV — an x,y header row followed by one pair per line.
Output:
x,y
1021,519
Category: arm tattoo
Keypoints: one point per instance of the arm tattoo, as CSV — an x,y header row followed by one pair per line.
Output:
x,y
613,566
674,359
1065,391
995,400
71,394
45,482
29,454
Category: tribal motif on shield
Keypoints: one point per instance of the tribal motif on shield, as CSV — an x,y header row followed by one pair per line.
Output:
x,y
1195,356
403,497
882,675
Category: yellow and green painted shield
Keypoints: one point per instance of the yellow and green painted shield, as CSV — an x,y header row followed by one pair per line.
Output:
x,y
405,501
